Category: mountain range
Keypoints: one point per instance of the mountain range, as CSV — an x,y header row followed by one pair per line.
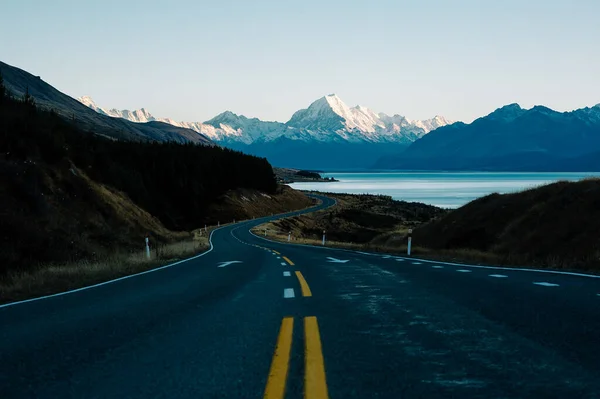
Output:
x,y
330,135
512,139
327,134
47,97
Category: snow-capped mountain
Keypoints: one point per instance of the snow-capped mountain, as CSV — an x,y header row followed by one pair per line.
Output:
x,y
328,120
510,138
356,124
139,116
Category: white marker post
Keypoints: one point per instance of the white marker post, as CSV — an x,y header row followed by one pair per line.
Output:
x,y
218,223
233,221
265,232
409,241
289,236
205,229
323,237
147,248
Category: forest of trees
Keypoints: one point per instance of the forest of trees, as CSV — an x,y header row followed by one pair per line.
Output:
x,y
174,182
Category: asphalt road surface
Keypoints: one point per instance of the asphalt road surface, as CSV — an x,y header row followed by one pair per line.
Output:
x,y
258,319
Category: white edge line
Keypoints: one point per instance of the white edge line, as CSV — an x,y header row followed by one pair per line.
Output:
x,y
117,279
238,225
437,262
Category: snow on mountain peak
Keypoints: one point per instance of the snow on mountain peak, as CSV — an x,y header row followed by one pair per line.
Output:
x,y
326,119
87,100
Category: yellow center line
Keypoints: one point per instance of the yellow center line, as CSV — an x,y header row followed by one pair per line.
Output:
x,y
288,261
303,285
315,385
276,252
281,358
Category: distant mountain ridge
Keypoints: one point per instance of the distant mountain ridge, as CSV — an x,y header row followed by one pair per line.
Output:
x,y
510,138
358,135
46,96
323,120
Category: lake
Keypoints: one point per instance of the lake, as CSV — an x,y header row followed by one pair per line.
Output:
x,y
443,189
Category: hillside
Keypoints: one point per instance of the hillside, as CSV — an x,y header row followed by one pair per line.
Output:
x,y
286,176
66,195
509,139
18,81
556,225
360,221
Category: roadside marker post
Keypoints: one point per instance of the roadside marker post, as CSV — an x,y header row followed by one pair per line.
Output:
x,y
205,229
218,224
323,237
147,248
265,232
289,236
409,241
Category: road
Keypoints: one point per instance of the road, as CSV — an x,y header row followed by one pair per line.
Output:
x,y
259,319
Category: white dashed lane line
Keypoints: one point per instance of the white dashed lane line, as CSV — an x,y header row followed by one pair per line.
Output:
x,y
498,275
282,263
399,260
437,267
288,293
416,263
286,274
545,284
463,271
279,257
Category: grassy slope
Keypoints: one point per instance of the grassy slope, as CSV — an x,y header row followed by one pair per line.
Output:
x,y
63,224
104,231
556,225
60,214
356,221
245,204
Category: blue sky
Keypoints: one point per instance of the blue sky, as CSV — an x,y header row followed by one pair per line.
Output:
x,y
190,60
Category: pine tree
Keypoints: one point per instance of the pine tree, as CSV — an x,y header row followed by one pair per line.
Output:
x,y
2,88
28,99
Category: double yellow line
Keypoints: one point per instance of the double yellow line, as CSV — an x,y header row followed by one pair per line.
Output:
x,y
315,384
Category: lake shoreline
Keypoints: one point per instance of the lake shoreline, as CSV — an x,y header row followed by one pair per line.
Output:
x,y
442,189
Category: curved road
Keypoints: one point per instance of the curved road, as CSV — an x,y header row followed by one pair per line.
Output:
x,y
253,318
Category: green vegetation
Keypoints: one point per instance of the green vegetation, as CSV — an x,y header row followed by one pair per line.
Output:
x,y
309,174
2,88
68,195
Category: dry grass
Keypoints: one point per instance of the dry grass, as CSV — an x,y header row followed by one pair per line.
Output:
x,y
458,255
52,278
400,249
371,223
44,278
553,226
